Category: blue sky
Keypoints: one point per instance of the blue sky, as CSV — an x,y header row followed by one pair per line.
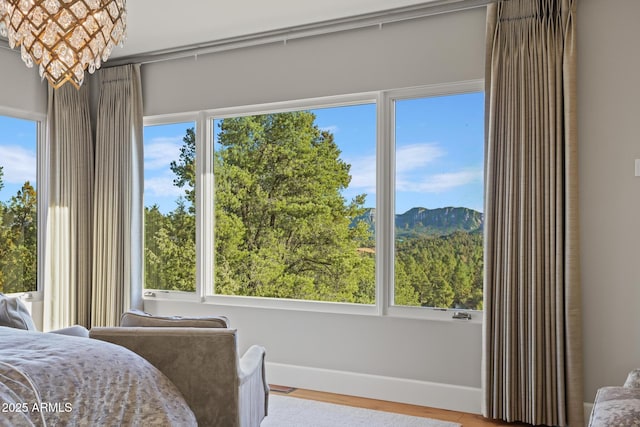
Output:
x,y
439,149
18,154
162,145
439,152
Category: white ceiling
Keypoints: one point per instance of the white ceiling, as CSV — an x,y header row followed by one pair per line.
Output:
x,y
156,25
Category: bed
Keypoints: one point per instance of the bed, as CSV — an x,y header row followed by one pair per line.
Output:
x,y
49,379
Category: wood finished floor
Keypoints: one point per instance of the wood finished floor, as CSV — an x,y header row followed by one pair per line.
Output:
x,y
467,420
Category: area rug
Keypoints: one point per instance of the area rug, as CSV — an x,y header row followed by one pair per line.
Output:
x,y
285,411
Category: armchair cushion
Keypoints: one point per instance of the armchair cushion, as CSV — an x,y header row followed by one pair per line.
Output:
x,y
137,318
73,331
14,314
633,379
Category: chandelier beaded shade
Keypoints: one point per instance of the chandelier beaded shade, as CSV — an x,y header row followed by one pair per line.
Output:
x,y
64,37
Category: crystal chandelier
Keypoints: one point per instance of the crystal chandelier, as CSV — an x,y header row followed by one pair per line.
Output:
x,y
64,37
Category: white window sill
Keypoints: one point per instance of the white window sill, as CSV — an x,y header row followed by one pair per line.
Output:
x,y
33,296
419,313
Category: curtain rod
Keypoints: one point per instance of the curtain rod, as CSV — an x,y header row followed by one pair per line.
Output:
x,y
372,19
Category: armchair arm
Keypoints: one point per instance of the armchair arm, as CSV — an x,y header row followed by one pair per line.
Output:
x,y
251,361
201,362
74,331
254,389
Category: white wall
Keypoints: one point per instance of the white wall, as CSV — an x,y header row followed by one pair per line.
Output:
x,y
439,49
434,363
609,141
21,88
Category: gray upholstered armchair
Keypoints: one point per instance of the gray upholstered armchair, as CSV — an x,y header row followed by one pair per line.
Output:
x,y
618,406
221,388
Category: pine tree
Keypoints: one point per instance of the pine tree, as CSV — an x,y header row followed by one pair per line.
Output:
x,y
282,225
19,241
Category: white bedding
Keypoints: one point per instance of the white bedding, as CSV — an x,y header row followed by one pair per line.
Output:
x,y
57,380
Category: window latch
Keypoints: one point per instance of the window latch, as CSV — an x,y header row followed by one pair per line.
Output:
x,y
462,315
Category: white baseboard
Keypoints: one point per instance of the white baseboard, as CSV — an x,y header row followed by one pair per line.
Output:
x,y
424,393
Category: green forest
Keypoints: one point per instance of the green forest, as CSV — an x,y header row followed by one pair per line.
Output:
x,y
283,228
18,240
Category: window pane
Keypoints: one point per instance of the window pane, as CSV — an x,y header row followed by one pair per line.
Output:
x,y
294,202
439,201
18,205
169,200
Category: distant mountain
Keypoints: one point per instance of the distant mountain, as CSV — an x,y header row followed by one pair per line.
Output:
x,y
432,222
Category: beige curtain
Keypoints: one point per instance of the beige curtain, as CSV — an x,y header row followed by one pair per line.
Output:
x,y
69,153
532,367
117,222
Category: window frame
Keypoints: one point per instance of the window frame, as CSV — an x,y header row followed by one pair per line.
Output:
x,y
167,119
273,108
390,97
42,190
385,203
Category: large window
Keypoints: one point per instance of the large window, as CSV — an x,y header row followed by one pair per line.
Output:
x,y
169,207
18,205
294,194
439,146
374,200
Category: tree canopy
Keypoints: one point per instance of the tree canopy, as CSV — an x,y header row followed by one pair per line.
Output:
x,y
18,240
282,226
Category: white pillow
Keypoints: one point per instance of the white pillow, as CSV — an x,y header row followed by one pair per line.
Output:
x,y
14,314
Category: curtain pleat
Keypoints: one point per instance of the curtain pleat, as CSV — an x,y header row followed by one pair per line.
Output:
x,y
532,367
117,219
67,295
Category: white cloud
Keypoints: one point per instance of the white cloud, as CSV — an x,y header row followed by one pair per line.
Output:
x,y
408,159
439,183
159,153
416,156
331,129
412,171
363,173
18,165
161,186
